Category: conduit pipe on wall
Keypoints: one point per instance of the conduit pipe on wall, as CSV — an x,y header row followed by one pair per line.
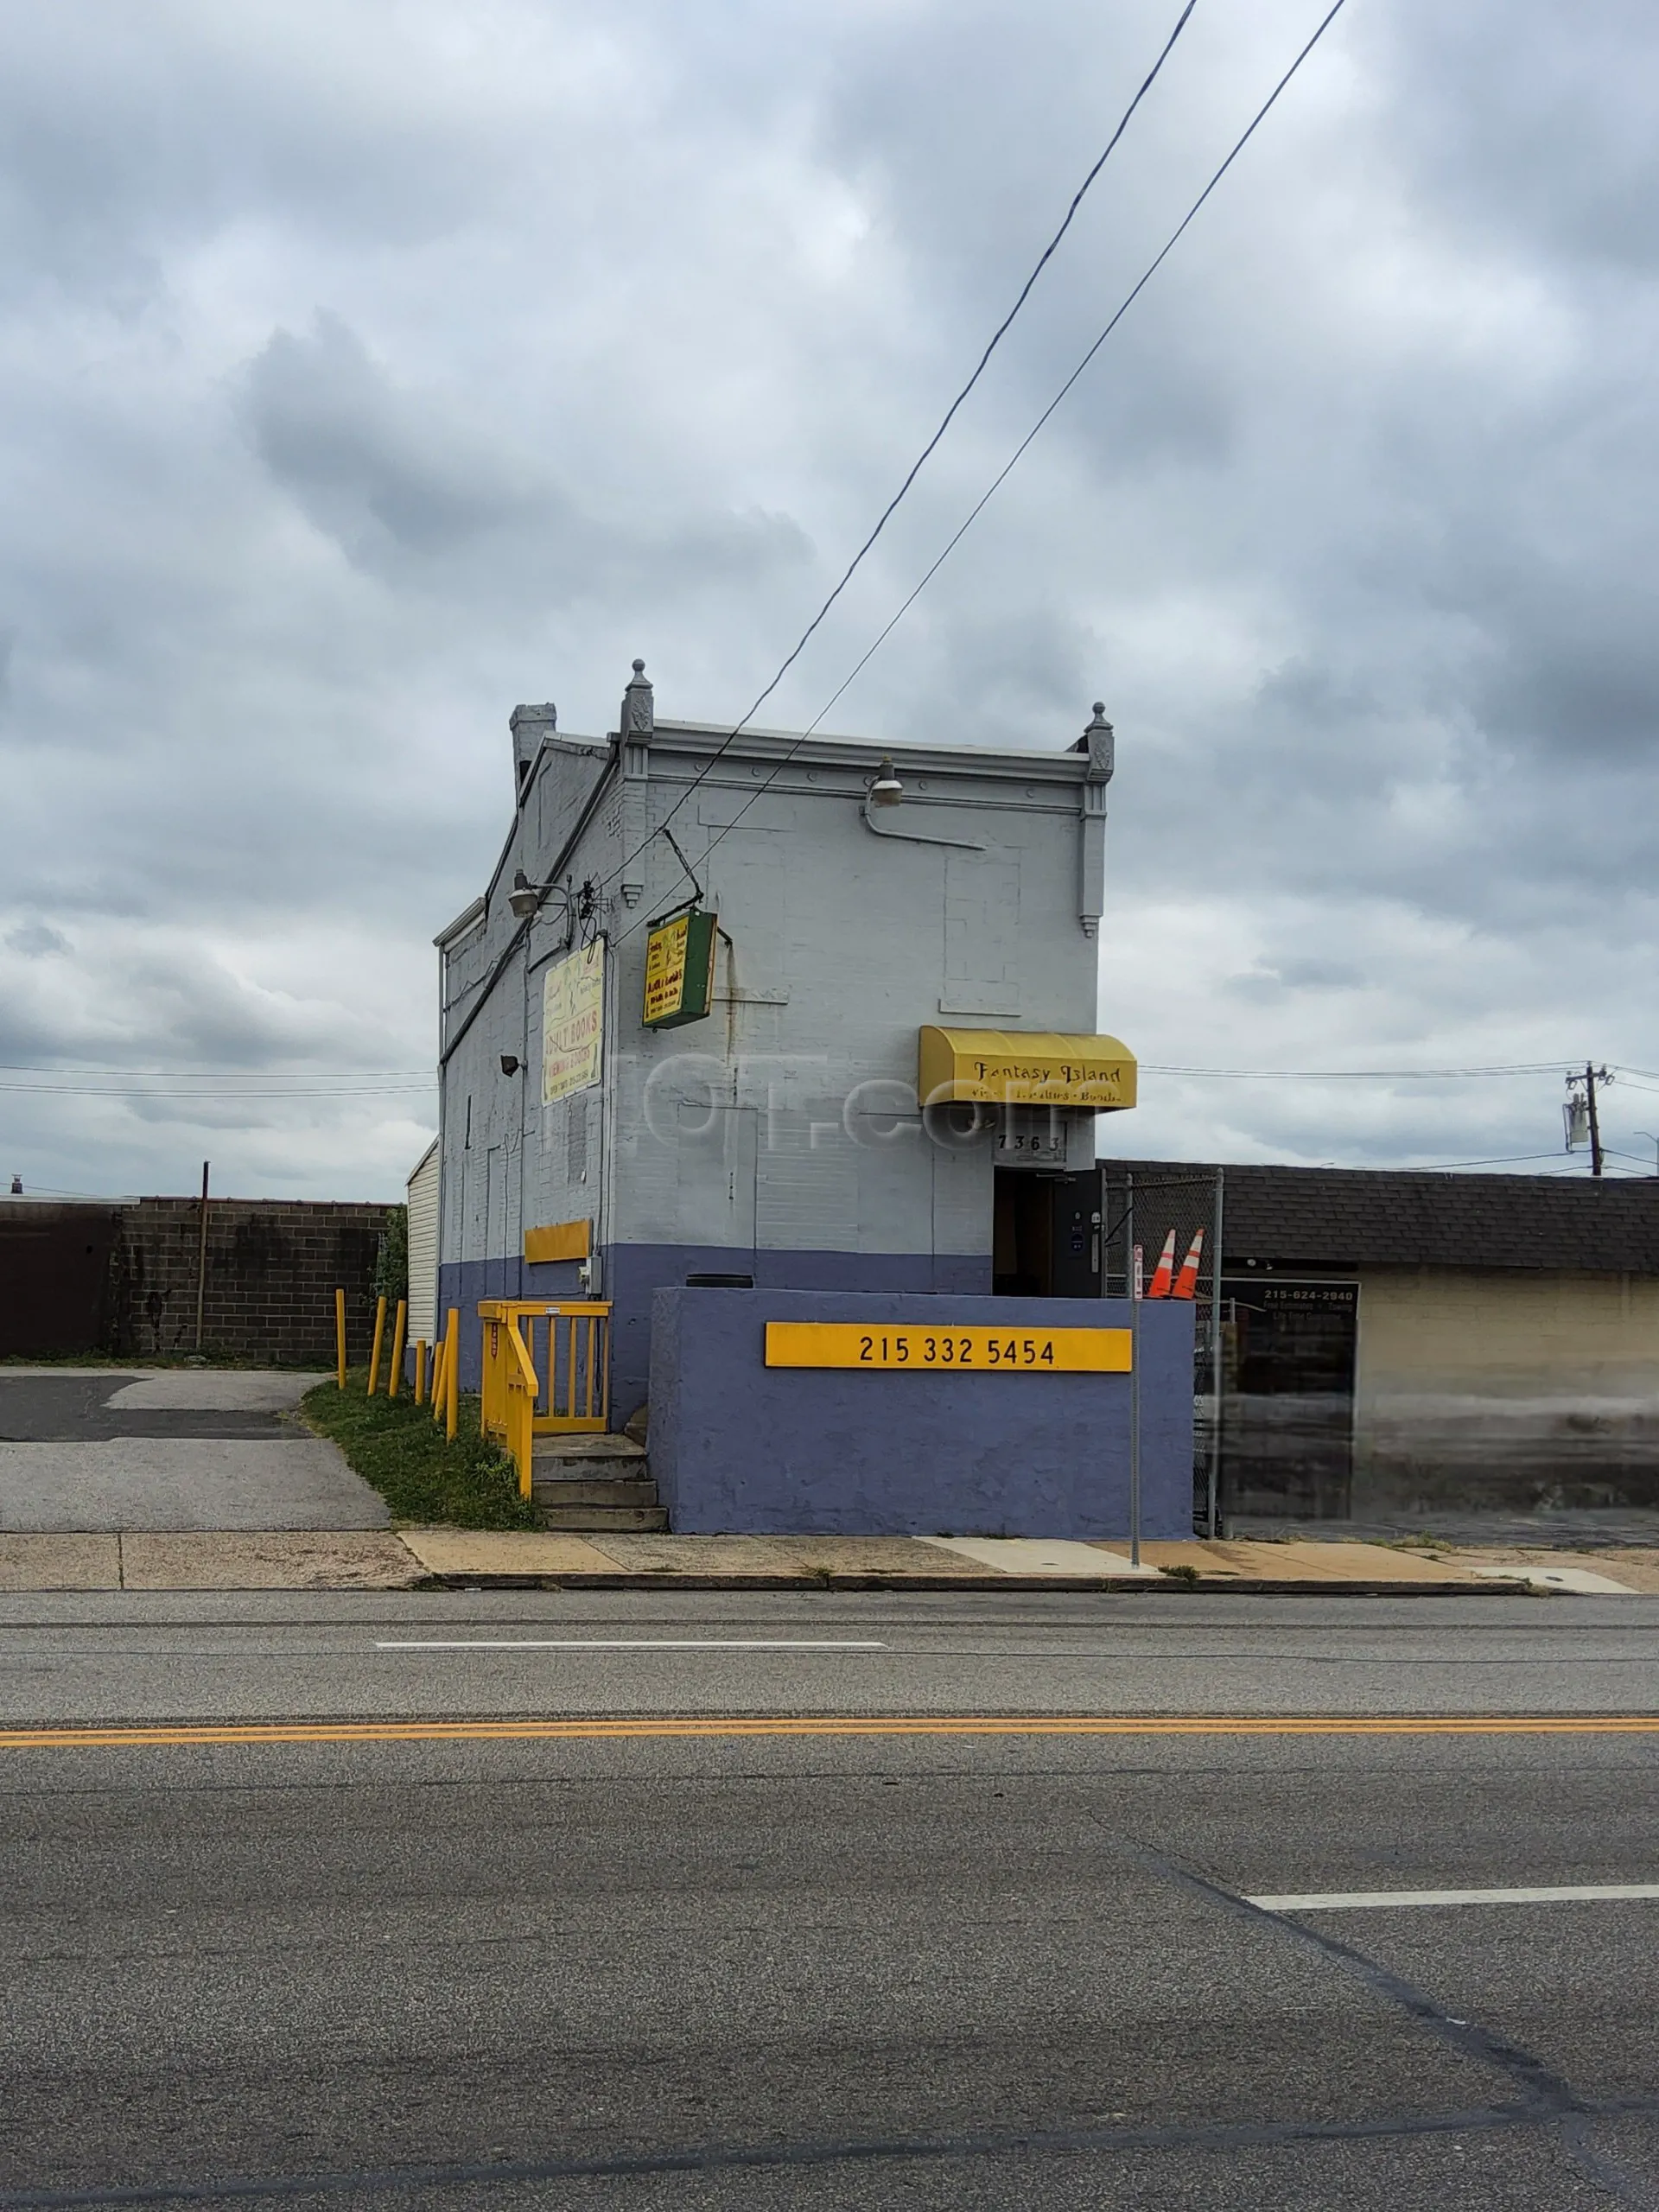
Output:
x,y
878,828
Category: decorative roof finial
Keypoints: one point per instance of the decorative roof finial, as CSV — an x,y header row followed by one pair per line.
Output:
x,y
1097,742
638,717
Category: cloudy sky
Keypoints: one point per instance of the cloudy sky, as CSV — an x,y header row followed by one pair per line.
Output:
x,y
365,370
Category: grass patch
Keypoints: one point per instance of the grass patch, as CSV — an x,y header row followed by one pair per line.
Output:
x,y
400,1451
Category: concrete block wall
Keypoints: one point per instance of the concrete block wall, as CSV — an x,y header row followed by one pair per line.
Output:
x,y
272,1268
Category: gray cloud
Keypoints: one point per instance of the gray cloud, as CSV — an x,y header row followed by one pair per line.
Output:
x,y
36,940
379,473
367,370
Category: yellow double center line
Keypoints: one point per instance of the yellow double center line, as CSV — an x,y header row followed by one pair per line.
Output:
x,y
619,1731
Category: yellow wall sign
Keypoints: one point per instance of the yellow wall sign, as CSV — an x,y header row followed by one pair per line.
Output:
x,y
559,1240
679,970
946,1351
573,1023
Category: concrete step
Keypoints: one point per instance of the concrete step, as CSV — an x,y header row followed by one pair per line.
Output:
x,y
560,1490
590,1483
596,1520
593,1457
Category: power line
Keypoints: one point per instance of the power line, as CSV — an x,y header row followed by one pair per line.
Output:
x,y
249,1096
916,465
997,337
1358,1075
1008,469
46,1190
1504,1159
228,1075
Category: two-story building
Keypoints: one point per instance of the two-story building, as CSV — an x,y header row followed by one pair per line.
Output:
x,y
779,1012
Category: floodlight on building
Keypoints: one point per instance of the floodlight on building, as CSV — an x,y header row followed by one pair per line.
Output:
x,y
527,898
887,790
509,1063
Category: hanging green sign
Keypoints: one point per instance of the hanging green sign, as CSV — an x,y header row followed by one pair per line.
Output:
x,y
680,970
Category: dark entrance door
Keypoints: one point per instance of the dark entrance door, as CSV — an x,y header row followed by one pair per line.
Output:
x,y
1045,1234
1288,1421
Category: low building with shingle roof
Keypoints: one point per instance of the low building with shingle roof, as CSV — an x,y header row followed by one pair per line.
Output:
x,y
1397,1341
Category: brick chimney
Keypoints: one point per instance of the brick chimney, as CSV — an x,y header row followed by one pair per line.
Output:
x,y
529,725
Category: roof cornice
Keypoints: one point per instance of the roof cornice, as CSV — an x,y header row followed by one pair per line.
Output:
x,y
700,739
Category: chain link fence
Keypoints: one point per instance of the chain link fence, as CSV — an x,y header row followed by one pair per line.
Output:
x,y
1140,1210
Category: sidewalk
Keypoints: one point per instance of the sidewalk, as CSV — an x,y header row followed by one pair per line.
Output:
x,y
460,1558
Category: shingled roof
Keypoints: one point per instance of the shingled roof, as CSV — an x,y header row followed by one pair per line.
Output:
x,y
1335,1217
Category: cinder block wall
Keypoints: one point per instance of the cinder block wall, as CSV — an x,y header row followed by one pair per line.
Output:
x,y
272,1268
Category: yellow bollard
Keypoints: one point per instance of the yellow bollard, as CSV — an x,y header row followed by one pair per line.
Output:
x,y
420,1371
452,1373
437,1379
395,1372
380,1332
340,1335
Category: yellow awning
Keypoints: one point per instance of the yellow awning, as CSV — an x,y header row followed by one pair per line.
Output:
x,y
1003,1067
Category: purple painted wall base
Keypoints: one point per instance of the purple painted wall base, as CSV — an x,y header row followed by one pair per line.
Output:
x,y
633,1274
740,1448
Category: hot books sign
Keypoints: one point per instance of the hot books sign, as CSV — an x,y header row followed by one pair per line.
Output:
x,y
573,1023
679,971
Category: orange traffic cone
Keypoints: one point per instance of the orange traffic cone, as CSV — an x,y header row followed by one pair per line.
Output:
x,y
1187,1283
1163,1274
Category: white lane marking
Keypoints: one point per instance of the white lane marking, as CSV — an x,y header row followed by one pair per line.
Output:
x,y
1374,1900
630,1644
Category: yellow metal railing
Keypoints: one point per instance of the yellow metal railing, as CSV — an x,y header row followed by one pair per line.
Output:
x,y
574,1339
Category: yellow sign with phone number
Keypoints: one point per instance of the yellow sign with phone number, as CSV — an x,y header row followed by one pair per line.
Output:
x,y
947,1351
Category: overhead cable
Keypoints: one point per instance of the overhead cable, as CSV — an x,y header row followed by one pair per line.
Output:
x,y
1014,459
251,1096
1358,1075
1503,1159
920,461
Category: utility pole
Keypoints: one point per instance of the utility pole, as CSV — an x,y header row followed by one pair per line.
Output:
x,y
201,1255
1582,1115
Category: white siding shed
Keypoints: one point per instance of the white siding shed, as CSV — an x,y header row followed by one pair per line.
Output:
x,y
424,1247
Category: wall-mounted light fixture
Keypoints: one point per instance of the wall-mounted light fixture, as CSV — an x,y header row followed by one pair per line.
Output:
x,y
510,1063
887,790
526,897
884,790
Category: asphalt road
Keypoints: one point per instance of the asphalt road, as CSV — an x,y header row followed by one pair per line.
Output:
x,y
282,1654
808,1969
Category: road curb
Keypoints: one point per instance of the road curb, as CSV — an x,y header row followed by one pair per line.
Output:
x,y
1070,1584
